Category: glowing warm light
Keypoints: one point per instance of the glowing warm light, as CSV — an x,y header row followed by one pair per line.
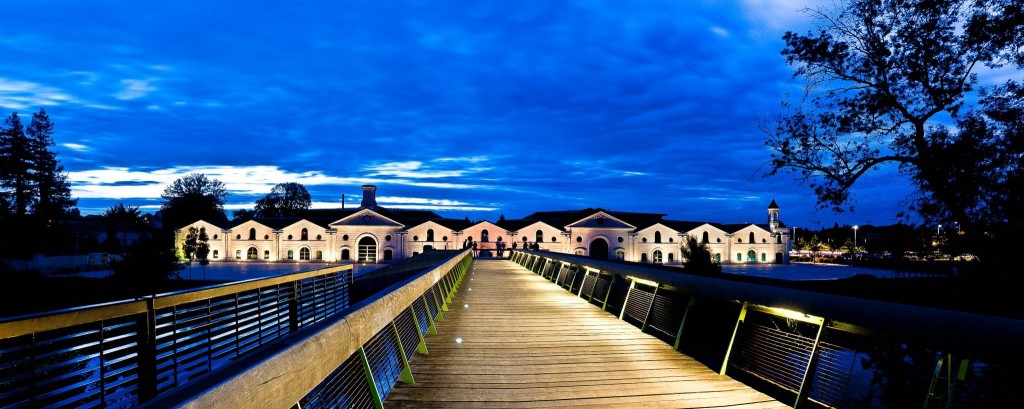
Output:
x,y
458,340
465,305
796,315
642,281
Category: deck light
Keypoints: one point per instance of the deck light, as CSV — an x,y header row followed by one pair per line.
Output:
x,y
458,340
465,305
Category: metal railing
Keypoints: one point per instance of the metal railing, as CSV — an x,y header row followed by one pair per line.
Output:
x,y
810,345
125,353
351,360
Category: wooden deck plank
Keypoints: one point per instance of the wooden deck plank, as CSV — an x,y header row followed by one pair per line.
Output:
x,y
526,342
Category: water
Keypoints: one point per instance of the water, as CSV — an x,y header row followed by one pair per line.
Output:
x,y
230,271
802,271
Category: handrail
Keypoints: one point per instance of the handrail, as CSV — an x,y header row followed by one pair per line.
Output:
x,y
304,360
127,352
44,321
780,331
944,328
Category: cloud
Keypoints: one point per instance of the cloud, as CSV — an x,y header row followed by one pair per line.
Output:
x,y
27,95
135,88
76,147
720,31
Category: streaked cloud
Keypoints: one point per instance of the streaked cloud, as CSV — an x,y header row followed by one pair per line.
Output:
x,y
135,88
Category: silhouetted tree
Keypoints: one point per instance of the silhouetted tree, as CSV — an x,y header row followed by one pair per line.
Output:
x,y
16,165
242,214
53,199
193,197
148,260
697,257
121,219
285,199
879,72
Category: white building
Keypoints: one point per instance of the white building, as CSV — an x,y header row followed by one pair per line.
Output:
x,y
371,234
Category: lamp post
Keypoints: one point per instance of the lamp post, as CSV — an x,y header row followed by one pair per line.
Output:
x,y
938,230
855,240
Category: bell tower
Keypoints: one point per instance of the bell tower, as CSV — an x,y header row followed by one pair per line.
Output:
x,y
773,216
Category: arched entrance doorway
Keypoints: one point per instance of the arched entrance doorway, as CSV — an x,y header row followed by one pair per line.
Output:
x,y
367,250
751,256
599,248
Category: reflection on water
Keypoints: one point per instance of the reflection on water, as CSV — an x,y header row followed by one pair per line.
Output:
x,y
802,271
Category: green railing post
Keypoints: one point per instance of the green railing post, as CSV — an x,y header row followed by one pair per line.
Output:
x,y
406,369
808,378
725,361
586,273
611,283
432,329
686,314
575,274
625,302
422,346
378,403
650,310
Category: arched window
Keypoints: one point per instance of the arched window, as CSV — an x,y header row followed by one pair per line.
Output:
x,y
484,236
304,234
252,233
718,257
430,234
739,257
657,237
216,254
304,253
251,254
751,256
319,255
388,254
291,255
657,257
778,239
540,236
670,260
266,254
751,241
367,250
345,254
620,255
764,256
238,254
643,257
705,238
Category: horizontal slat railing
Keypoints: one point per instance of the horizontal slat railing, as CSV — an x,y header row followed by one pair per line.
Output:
x,y
351,360
125,353
782,336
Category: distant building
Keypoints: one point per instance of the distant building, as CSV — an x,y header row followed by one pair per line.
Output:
x,y
373,234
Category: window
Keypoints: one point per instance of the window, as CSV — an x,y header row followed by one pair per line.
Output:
x,y
751,256
387,237
251,253
621,239
345,237
215,237
657,257
670,258
524,239
291,255
718,240
484,236
266,254
718,257
657,237
216,254
266,237
752,241
345,254
430,234
304,235
304,253
579,239
238,254
238,237
289,237
704,237
671,240
415,253
739,256
764,240
739,240
540,236
778,239
643,257
318,237
319,255
444,238
367,250
415,238
764,257
553,239
252,233
620,255
644,239
388,254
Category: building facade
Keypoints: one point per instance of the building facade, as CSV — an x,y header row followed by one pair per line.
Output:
x,y
372,234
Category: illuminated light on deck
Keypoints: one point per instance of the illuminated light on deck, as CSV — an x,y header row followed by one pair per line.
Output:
x,y
458,340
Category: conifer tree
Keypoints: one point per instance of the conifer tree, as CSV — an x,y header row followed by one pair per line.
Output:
x,y
53,195
16,165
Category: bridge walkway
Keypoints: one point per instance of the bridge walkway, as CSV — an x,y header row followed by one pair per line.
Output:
x,y
512,339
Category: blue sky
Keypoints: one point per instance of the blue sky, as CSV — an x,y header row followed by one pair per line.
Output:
x,y
502,107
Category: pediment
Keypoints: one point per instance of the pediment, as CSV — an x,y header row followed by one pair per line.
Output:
x,y
367,217
600,220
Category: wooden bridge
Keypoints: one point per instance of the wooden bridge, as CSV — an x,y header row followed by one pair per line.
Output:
x,y
513,339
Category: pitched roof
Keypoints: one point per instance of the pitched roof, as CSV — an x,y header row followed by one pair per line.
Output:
x,y
565,217
515,224
684,226
773,205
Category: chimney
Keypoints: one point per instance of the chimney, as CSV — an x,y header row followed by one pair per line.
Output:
x,y
369,197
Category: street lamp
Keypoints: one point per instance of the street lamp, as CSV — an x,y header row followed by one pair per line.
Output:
x,y
938,230
855,239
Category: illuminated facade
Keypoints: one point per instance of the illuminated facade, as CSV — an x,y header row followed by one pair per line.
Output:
x,y
371,234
